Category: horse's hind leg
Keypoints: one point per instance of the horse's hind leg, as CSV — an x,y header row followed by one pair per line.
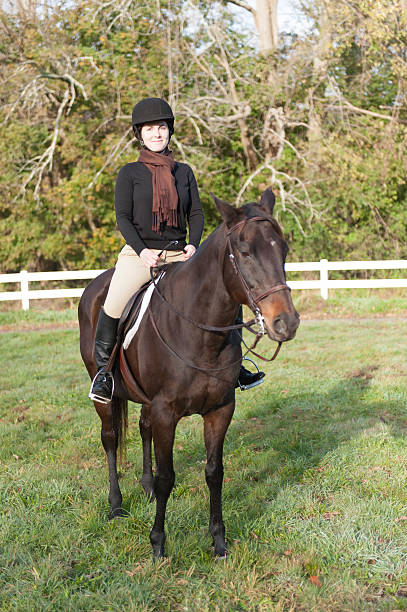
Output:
x,y
146,479
110,440
163,428
216,424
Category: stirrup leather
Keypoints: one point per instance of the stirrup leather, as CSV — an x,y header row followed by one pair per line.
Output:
x,y
100,398
254,384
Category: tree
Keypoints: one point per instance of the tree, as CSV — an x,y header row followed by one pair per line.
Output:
x,y
322,118
265,18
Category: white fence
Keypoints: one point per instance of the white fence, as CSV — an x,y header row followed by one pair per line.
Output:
x,y
323,266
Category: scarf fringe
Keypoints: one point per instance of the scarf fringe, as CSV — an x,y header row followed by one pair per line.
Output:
x,y
165,196
159,219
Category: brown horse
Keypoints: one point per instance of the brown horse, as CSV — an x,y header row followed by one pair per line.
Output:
x,y
181,367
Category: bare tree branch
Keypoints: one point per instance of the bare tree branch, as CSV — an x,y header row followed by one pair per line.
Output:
x,y
367,112
45,160
287,197
244,5
338,94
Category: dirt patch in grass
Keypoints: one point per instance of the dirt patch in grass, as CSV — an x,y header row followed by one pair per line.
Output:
x,y
365,373
351,304
28,326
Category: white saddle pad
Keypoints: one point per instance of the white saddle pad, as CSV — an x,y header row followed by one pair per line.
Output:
x,y
144,305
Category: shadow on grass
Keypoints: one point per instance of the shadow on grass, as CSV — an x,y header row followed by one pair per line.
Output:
x,y
280,440
273,444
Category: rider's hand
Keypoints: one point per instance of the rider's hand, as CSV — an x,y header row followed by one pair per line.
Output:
x,y
189,251
149,258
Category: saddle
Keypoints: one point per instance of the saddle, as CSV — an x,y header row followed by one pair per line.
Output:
x,y
131,311
118,362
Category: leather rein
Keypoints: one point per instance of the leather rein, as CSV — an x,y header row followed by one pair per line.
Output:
x,y
253,303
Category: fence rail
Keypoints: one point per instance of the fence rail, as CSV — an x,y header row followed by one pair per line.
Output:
x,y
323,284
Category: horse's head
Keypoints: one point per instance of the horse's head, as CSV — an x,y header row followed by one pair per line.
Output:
x,y
254,264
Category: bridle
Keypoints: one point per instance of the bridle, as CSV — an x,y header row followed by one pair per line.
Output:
x,y
253,303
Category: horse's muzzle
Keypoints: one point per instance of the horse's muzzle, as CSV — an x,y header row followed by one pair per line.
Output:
x,y
284,326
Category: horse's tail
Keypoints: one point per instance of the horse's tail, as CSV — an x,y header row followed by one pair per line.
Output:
x,y
120,423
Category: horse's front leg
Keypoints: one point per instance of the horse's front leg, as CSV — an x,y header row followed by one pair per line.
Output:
x,y
163,426
110,439
216,424
146,479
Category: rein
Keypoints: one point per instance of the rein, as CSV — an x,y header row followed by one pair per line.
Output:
x,y
252,303
192,365
210,328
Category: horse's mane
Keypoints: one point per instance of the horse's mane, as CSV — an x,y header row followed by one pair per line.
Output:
x,y
247,209
277,227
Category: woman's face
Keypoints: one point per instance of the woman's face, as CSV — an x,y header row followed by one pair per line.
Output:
x,y
155,136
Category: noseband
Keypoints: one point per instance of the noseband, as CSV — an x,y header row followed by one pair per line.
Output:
x,y
253,301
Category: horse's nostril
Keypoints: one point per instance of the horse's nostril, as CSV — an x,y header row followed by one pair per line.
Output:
x,y
279,325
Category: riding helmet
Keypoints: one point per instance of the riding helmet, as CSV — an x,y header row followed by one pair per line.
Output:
x,y
152,109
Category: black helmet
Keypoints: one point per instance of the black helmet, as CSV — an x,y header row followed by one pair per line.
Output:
x,y
152,109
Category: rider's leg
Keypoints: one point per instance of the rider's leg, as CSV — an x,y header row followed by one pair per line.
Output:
x,y
246,378
105,339
129,275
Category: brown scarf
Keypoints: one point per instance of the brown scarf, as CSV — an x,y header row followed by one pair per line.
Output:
x,y
165,196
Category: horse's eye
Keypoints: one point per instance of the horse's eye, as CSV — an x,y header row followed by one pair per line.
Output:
x,y
245,253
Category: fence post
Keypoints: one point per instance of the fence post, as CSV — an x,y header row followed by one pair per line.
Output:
x,y
24,289
324,278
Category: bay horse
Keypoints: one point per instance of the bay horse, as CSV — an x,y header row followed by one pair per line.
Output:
x,y
181,367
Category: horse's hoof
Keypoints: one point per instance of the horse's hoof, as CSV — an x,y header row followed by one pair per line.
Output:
x,y
158,555
116,513
221,553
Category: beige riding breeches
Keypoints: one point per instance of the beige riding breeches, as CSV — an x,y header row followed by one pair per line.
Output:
x,y
129,275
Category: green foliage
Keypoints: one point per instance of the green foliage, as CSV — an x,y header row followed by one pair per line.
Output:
x,y
335,95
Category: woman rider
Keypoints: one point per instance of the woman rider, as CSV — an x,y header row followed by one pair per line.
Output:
x,y
155,199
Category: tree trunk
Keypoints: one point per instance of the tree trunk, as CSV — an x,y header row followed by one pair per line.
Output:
x,y
266,23
265,17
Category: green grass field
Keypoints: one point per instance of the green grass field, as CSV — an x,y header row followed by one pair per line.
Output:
x,y
315,502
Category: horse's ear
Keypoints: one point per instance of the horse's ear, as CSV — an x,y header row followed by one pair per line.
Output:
x,y
268,199
228,212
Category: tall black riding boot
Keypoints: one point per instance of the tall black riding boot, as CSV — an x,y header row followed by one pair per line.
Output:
x,y
247,379
105,339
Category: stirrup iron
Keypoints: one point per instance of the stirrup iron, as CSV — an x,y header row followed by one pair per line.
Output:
x,y
99,398
258,382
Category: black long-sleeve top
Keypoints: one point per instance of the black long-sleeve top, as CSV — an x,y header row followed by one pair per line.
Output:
x,y
133,204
